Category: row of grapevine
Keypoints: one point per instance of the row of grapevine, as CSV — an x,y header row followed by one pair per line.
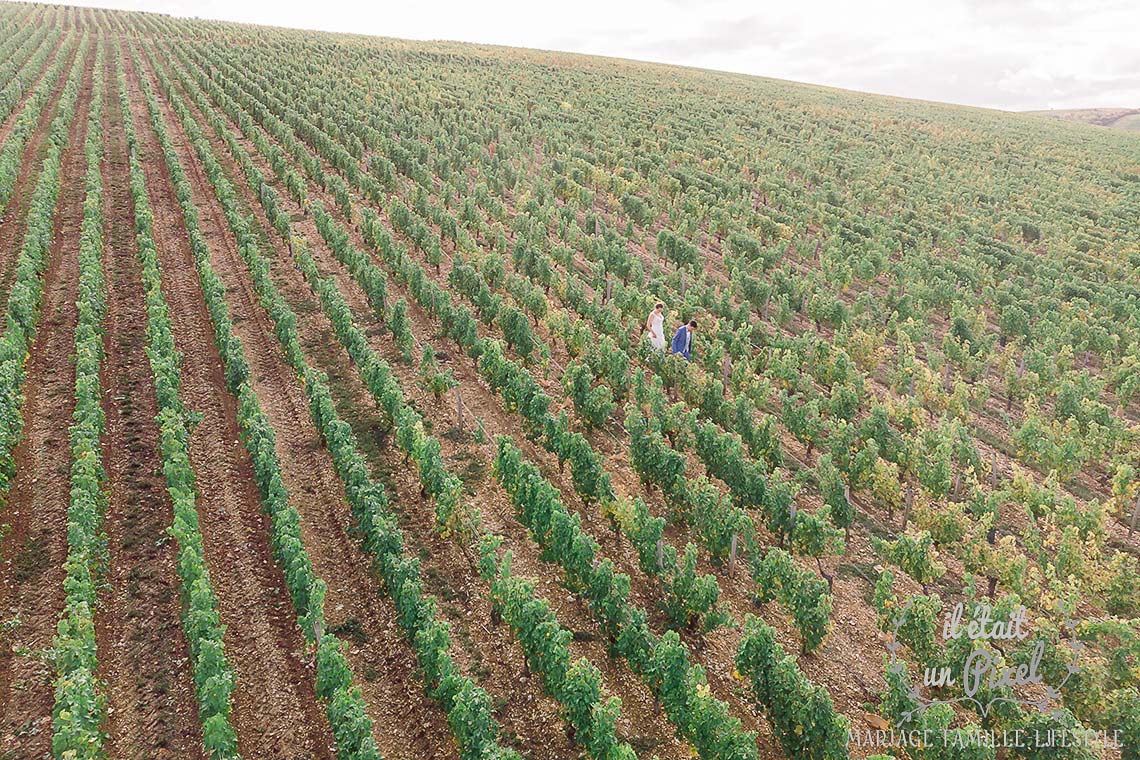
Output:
x,y
662,662
212,675
345,708
467,705
23,58
26,294
799,591
591,717
576,685
11,153
777,576
80,704
802,716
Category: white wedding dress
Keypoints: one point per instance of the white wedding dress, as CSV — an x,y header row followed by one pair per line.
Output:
x,y
657,322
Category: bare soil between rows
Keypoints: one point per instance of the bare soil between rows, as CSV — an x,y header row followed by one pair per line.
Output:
x,y
34,548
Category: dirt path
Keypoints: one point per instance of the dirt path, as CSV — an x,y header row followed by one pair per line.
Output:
x,y
356,607
16,213
35,547
276,713
143,657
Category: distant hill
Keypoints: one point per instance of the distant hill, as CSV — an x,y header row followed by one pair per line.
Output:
x,y
1127,119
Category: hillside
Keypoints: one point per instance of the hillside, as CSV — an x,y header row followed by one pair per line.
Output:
x,y
1127,119
330,425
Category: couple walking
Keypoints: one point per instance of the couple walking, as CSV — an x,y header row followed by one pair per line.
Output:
x,y
682,339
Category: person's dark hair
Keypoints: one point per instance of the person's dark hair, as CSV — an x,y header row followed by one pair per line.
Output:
x,y
659,305
693,323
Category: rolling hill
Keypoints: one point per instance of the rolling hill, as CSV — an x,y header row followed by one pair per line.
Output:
x,y
331,425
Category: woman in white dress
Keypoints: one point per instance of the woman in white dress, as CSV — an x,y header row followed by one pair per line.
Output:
x,y
655,324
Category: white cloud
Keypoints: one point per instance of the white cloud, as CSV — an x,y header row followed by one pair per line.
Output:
x,y
1015,54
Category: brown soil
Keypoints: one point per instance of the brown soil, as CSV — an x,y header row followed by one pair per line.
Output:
x,y
143,657
35,546
276,713
357,609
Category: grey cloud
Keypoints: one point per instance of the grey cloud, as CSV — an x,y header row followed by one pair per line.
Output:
x,y
1020,73
728,36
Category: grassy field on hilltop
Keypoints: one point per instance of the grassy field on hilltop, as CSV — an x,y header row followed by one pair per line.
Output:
x,y
1124,119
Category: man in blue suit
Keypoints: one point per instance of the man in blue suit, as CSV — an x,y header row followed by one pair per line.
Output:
x,y
683,340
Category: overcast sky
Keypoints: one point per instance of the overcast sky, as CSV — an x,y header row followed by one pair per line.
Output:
x,y
1012,54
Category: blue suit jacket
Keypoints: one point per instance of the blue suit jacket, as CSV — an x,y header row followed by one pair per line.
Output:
x,y
681,343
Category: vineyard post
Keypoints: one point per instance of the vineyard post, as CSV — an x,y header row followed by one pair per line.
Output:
x,y
1135,514
732,555
767,302
459,411
909,503
609,291
660,555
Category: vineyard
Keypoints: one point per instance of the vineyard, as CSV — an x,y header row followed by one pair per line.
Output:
x,y
330,426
